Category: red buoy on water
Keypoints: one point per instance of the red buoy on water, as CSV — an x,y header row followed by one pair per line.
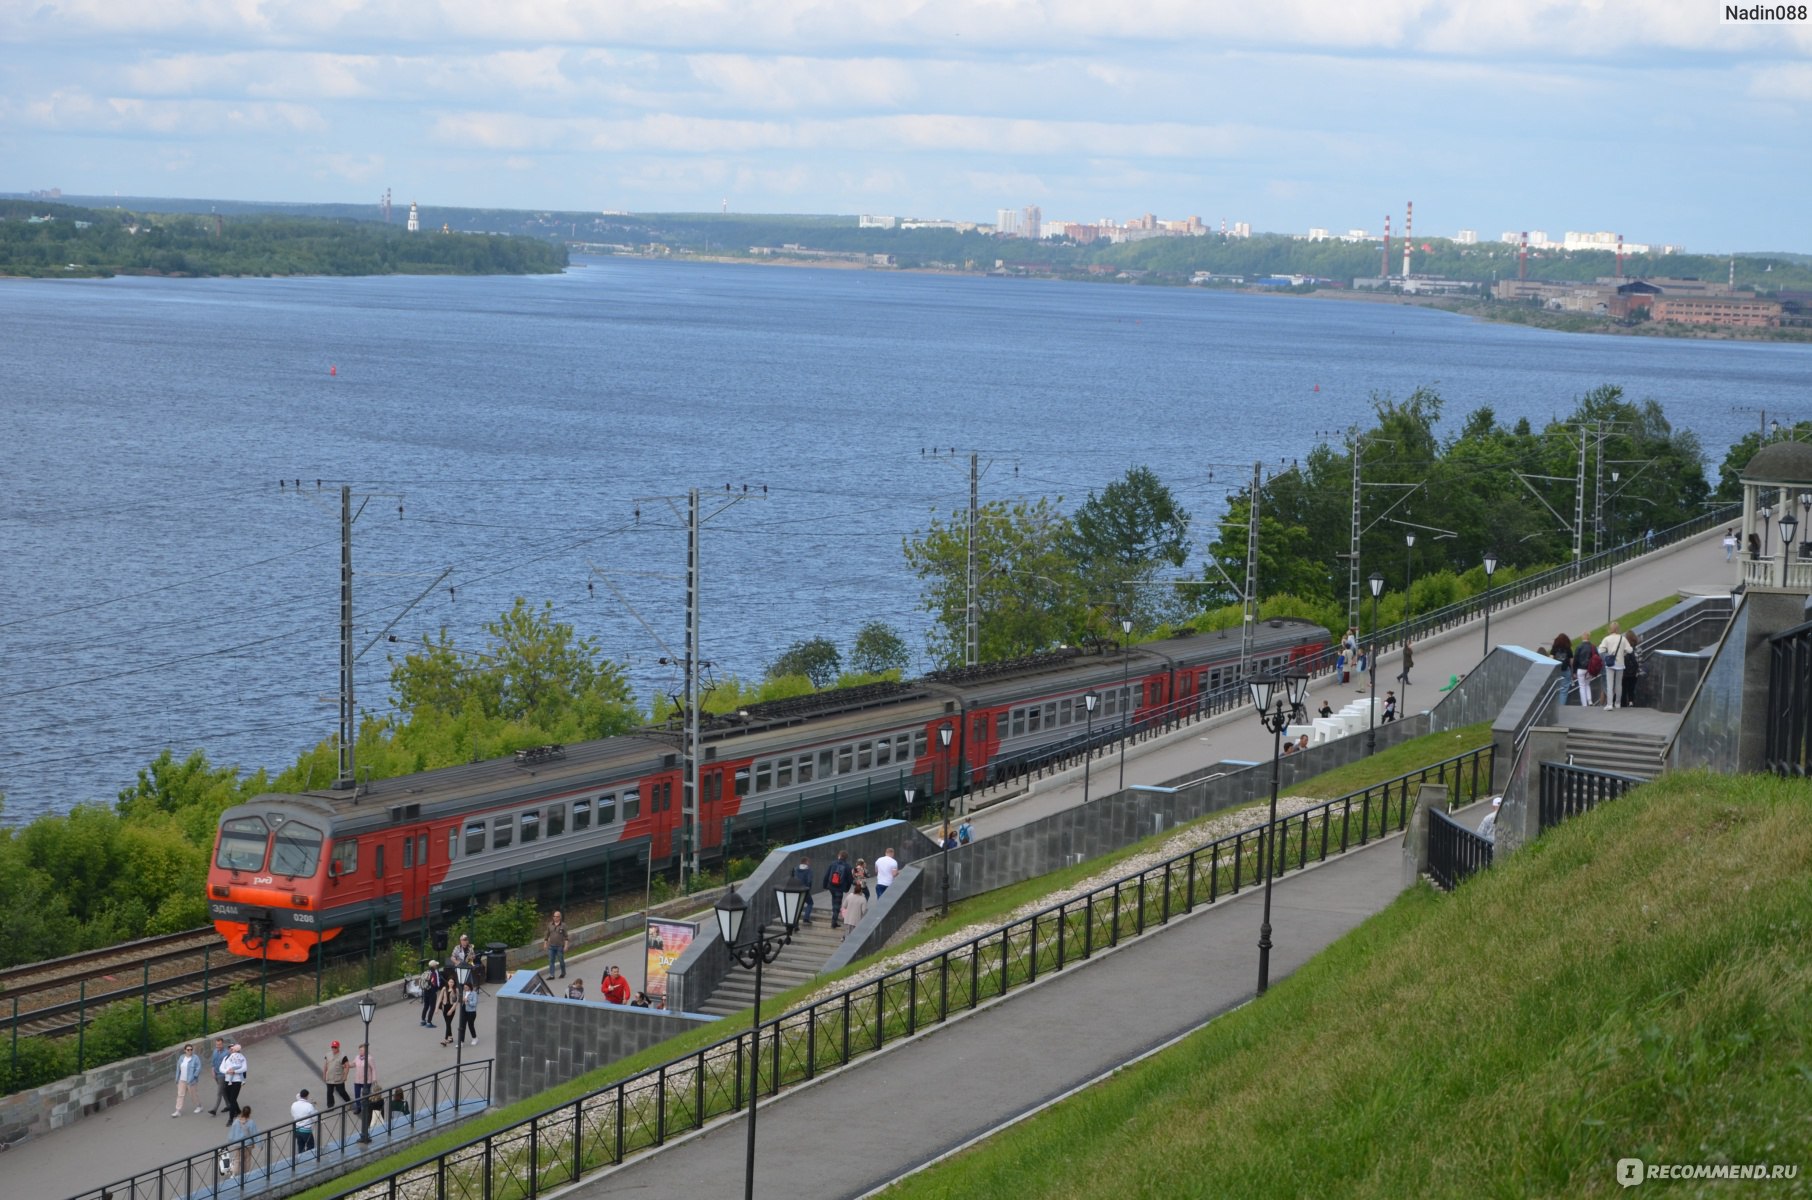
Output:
x,y
332,370
1318,387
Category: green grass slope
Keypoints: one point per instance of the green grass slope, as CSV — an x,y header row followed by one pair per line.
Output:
x,y
1637,984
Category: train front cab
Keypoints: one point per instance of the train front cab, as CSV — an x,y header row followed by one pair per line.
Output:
x,y
264,883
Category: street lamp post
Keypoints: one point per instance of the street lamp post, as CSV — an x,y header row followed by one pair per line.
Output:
x,y
944,734
1089,700
1126,704
1765,512
1610,564
367,1009
762,947
462,975
1789,527
1805,519
1277,707
1490,570
1371,663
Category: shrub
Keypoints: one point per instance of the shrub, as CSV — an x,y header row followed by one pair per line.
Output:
x,y
35,1062
512,922
117,1032
240,1005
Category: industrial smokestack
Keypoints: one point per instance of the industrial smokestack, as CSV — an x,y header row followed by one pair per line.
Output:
x,y
1409,226
1384,271
1522,258
1620,256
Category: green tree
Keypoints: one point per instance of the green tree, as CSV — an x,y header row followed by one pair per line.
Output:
x,y
1730,471
815,658
878,649
1031,596
1123,535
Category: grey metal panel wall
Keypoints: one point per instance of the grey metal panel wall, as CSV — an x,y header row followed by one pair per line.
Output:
x,y
542,1041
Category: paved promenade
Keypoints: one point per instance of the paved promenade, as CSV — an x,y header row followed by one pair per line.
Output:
x,y
140,1134
856,1129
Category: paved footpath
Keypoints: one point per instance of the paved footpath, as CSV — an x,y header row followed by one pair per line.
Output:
x,y
852,1131
139,1134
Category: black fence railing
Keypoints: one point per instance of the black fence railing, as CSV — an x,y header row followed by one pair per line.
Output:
x,y
279,1159
1455,853
560,1145
1567,790
1788,747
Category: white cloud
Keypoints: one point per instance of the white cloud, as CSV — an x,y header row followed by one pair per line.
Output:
x,y
78,111
789,83
1792,83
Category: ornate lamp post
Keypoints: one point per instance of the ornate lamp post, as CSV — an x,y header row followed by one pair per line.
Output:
x,y
944,733
1376,583
462,975
1610,563
1126,704
1490,570
1765,512
761,947
1089,700
367,1009
1789,526
1277,707
1409,577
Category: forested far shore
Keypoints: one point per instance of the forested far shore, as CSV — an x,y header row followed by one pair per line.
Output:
x,y
44,240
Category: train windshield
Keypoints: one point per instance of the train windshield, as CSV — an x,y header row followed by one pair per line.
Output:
x,y
297,850
242,844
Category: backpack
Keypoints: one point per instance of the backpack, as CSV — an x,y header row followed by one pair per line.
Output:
x,y
1595,668
839,877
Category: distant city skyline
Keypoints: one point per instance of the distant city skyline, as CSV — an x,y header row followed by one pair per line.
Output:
x,y
1658,120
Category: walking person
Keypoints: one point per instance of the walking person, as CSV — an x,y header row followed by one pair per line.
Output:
x,y
465,954
364,1076
886,867
1349,651
468,1013
1583,653
862,872
1409,663
235,1067
1390,708
614,986
220,1092
802,875
302,1112
1615,651
837,881
188,1078
1562,650
1632,673
333,1073
242,1132
449,1008
431,982
1730,544
855,907
555,941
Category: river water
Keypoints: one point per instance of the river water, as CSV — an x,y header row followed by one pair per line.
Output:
x,y
536,437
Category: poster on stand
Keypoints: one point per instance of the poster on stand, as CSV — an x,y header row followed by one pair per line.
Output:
x,y
666,941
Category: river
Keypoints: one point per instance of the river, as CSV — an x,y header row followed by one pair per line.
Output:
x,y
160,589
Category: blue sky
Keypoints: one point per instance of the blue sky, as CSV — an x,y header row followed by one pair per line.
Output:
x,y
1653,118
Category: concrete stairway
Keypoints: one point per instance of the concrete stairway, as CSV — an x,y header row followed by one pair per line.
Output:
x,y
811,948
1627,752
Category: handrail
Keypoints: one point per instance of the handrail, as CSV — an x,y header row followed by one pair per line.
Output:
x,y
274,1157
559,1145
1455,853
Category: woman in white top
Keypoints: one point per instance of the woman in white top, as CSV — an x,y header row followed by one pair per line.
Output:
x,y
1615,650
855,907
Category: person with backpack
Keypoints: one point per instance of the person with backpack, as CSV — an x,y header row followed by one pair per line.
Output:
x,y
964,834
838,879
1586,666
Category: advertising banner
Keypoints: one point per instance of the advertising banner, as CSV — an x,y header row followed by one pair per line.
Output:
x,y
666,941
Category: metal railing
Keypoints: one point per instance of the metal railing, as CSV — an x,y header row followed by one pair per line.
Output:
x,y
1567,790
560,1145
279,1157
1788,748
1455,853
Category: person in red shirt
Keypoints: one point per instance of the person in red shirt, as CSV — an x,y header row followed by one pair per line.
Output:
x,y
616,987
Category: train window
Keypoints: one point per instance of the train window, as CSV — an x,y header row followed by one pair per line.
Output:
x,y
556,820
742,781
827,763
503,833
475,838
783,773
764,777
714,787
805,768
1214,680
607,810
377,861
979,735
1063,711
1050,715
666,791
1019,722
421,850
408,853
918,743
345,859
242,844
632,803
296,850
452,843
846,759
1000,727
531,827
883,752
1034,718
582,815
864,755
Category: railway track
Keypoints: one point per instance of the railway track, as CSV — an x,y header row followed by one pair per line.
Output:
x,y
52,998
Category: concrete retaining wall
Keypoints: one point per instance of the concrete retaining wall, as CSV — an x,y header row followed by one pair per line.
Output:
x,y
542,1041
884,918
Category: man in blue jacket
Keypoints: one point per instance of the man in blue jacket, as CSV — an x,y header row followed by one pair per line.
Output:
x,y
803,875
837,880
